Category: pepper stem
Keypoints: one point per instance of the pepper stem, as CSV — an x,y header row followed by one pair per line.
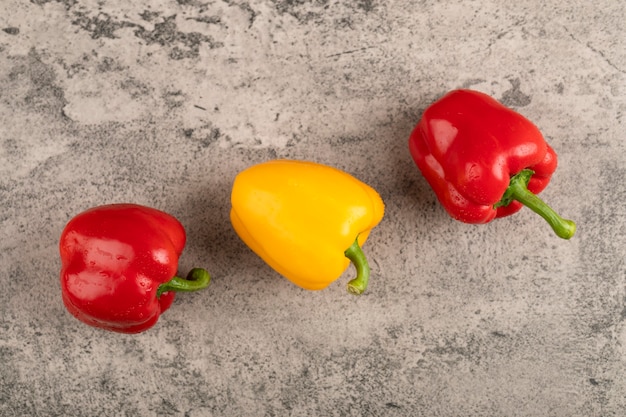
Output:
x,y
518,190
197,279
358,285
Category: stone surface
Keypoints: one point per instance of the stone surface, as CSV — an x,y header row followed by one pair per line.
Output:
x,y
162,102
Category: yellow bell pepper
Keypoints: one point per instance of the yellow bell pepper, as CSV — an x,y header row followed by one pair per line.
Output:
x,y
306,220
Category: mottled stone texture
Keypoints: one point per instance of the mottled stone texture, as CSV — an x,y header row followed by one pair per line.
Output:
x,y
162,102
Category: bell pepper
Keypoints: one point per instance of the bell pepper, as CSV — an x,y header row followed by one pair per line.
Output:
x,y
306,220
119,266
484,160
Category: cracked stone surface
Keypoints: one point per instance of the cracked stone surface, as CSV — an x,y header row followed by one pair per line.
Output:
x,y
163,102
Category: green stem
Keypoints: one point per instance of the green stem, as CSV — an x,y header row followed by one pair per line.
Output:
x,y
518,190
197,279
359,284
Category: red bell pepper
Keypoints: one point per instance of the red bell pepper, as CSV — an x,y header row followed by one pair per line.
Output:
x,y
119,264
484,160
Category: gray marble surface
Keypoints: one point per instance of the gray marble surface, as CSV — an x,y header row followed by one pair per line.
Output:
x,y
163,102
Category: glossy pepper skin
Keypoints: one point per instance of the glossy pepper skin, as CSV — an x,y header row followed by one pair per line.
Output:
x,y
306,220
119,264
484,160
